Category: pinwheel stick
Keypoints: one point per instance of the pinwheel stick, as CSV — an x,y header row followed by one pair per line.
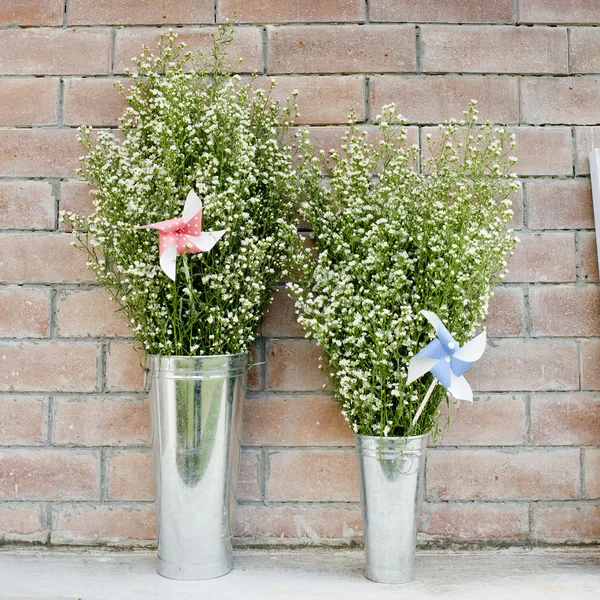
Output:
x,y
425,400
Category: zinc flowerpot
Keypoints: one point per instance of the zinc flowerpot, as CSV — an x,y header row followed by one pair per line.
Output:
x,y
196,408
391,477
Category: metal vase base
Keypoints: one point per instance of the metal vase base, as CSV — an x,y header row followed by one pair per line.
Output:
x,y
196,407
391,477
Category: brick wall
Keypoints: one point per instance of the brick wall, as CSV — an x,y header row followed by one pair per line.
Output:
x,y
521,466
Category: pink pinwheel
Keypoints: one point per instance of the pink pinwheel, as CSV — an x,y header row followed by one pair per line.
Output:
x,y
185,234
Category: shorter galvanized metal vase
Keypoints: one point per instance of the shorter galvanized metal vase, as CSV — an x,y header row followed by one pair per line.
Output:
x,y
196,406
391,476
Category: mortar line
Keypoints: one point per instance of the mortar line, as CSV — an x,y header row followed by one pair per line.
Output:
x,y
366,12
418,50
265,49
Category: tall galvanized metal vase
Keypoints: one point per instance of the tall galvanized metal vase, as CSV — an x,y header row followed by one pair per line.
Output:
x,y
196,407
391,477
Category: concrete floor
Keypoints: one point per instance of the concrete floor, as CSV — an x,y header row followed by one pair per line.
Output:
x,y
305,574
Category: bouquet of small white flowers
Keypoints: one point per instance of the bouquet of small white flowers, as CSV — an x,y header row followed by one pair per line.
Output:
x,y
394,237
191,125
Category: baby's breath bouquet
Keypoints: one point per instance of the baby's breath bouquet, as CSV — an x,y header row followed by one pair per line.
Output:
x,y
192,125
396,233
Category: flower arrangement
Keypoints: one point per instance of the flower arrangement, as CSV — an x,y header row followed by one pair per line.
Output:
x,y
394,237
191,125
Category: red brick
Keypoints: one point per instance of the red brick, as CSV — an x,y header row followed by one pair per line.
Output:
x,y
21,522
502,474
255,377
590,364
26,102
248,482
76,197
26,205
102,421
523,365
506,316
585,50
565,204
503,49
489,421
469,521
298,522
290,11
543,257
572,521
457,11
247,44
39,152
307,476
90,313
586,139
560,100
292,366
138,12
558,11
434,99
106,524
22,420
41,259
54,51
130,475
565,419
93,102
295,421
49,474
591,466
24,312
281,320
337,49
124,367
565,311
53,367
31,12
543,151
588,256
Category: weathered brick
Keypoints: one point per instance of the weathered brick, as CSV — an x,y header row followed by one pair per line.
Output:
x,y
502,49
523,365
39,152
543,151
101,421
565,419
457,11
124,367
130,475
467,521
248,482
27,102
24,312
76,197
292,366
506,316
31,12
138,12
566,521
49,474
90,313
502,474
26,205
563,204
558,11
55,259
295,421
591,465
298,522
303,475
93,102
54,51
22,420
543,257
53,367
247,45
590,364
586,139
588,256
490,421
20,522
585,50
336,49
549,100
565,311
433,99
290,11
106,524
255,377
281,320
